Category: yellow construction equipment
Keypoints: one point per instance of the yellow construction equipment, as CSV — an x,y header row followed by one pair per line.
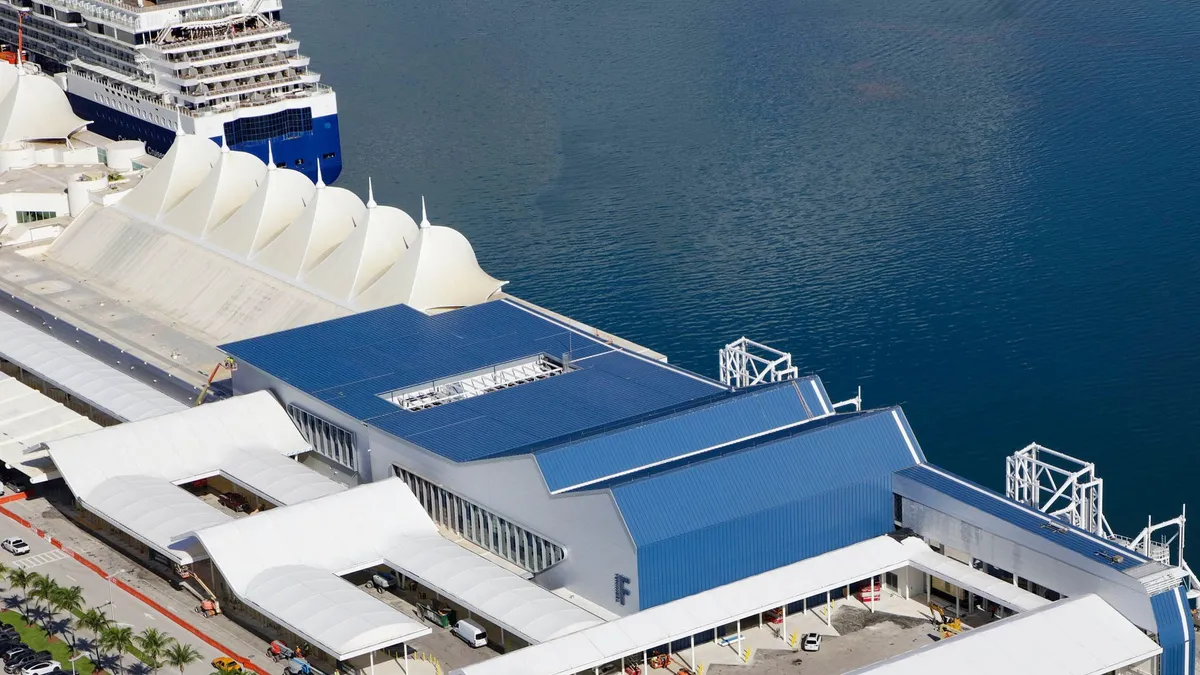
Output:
x,y
938,612
951,628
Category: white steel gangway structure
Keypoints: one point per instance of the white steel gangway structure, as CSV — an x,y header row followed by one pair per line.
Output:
x,y
1068,488
746,363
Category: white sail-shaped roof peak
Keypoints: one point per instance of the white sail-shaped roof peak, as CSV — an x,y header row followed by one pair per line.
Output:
x,y
439,271
279,200
34,108
231,183
181,170
382,239
326,221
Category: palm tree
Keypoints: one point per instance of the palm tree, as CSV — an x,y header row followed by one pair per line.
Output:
x,y
153,643
69,598
180,656
4,570
21,579
93,620
118,639
44,589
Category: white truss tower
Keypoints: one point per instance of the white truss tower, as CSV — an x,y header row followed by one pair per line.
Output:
x,y
1062,486
745,363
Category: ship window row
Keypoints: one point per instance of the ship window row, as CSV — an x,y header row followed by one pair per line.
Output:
x,y
285,123
34,216
482,527
134,110
327,439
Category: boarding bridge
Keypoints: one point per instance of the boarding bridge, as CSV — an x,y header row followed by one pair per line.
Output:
x,y
1068,488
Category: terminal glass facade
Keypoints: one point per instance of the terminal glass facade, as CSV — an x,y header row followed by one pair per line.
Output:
x,y
329,440
482,527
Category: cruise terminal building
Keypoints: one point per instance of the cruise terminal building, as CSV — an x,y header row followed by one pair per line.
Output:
x,y
662,500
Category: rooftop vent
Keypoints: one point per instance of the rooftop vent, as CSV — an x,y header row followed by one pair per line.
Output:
x,y
477,383
1055,527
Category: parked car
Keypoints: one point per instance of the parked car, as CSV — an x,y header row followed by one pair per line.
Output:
x,y
15,651
41,668
224,664
812,642
15,546
9,643
234,502
29,659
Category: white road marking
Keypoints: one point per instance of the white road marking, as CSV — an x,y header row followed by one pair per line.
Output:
x,y
148,616
40,559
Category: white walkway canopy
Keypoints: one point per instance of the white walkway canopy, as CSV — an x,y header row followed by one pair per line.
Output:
x,y
1080,636
89,379
681,618
380,523
27,419
128,474
964,576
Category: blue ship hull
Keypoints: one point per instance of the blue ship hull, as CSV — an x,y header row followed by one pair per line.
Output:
x,y
298,151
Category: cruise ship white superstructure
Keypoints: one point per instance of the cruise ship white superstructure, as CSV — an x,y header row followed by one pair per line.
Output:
x,y
140,69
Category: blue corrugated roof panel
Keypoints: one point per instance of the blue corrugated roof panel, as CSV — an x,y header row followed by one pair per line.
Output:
x,y
349,362
714,522
1062,534
750,412
1176,633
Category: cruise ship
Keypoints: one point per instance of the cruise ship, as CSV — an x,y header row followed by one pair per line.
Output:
x,y
228,70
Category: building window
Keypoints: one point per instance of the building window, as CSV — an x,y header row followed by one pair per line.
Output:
x,y
482,527
328,440
34,216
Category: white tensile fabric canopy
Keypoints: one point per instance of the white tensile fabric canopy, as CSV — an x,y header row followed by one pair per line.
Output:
x,y
1079,636
128,474
102,386
33,108
29,418
380,523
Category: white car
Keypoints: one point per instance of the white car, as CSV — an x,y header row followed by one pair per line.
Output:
x,y
15,546
43,668
811,643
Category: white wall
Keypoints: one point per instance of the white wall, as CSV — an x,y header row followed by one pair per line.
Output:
x,y
588,525
1058,572
12,202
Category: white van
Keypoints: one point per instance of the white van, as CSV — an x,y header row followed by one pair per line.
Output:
x,y
470,632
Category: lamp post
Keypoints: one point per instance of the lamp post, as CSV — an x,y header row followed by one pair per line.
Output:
x,y
110,578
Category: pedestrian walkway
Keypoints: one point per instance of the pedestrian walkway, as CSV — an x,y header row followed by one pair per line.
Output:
x,y
31,561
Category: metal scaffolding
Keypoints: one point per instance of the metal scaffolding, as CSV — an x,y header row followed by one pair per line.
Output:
x,y
745,363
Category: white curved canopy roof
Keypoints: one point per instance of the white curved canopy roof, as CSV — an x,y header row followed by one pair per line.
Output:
x,y
381,523
128,473
155,513
375,245
34,108
329,611
181,170
330,217
226,188
278,201
439,271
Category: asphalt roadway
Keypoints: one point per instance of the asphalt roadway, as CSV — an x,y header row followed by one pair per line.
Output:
x,y
98,592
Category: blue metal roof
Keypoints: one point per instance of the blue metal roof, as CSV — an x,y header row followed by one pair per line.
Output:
x,y
1062,534
856,448
750,412
349,362
1176,633
723,519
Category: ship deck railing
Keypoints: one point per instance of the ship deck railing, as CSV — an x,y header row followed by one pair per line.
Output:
x,y
188,43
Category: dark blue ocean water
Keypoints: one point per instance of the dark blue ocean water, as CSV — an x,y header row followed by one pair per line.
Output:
x,y
985,210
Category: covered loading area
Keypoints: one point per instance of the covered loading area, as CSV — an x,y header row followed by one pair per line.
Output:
x,y
130,475
679,627
376,525
1078,636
